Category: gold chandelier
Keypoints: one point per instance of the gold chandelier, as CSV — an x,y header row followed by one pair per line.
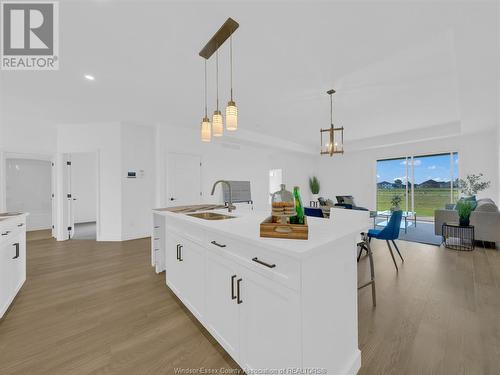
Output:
x,y
334,137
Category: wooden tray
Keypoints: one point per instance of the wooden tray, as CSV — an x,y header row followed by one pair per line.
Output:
x,y
278,230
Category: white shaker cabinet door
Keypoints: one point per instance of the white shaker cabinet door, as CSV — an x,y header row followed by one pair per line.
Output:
x,y
269,324
18,254
6,285
222,309
173,264
192,262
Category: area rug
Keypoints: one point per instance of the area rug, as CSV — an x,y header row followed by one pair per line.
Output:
x,y
423,232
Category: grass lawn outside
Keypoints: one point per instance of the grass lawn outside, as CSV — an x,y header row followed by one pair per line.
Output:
x,y
426,200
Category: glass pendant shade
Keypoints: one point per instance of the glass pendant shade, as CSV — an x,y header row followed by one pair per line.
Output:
x,y
231,116
206,130
217,124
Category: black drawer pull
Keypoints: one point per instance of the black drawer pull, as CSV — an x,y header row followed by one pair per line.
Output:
x,y
232,287
180,253
239,300
6,233
17,250
177,252
20,225
263,263
217,244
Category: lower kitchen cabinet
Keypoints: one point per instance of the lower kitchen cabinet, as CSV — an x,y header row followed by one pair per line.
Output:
x,y
222,309
269,324
185,272
12,261
254,318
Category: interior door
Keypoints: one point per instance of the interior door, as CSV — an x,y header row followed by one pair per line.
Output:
x,y
222,310
269,324
183,179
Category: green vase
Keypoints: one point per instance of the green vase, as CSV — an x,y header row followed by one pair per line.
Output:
x,y
299,208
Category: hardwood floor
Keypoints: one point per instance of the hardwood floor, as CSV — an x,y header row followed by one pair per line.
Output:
x,y
98,308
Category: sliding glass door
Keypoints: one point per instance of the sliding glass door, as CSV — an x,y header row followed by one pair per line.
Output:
x,y
424,183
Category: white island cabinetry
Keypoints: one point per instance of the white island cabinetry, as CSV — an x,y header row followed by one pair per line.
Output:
x,y
12,258
258,296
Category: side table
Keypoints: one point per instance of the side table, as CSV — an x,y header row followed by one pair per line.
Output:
x,y
458,237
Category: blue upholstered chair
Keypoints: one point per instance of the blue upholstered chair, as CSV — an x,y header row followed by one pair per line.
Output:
x,y
314,212
389,233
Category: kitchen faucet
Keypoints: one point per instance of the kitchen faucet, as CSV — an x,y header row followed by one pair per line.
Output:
x,y
230,206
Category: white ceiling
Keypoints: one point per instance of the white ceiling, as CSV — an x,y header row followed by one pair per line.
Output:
x,y
396,66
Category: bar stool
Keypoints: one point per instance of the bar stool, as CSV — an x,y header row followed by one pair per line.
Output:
x,y
365,245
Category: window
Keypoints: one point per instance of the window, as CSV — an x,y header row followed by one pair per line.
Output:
x,y
424,183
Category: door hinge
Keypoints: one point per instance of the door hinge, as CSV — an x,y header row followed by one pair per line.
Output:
x,y
69,195
68,163
52,195
70,228
52,164
52,227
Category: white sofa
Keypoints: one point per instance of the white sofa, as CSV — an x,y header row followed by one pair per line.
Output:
x,y
485,219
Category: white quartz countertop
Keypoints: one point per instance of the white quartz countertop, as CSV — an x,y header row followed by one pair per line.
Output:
x,y
7,217
246,227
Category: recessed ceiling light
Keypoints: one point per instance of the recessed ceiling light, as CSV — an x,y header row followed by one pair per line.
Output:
x,y
89,77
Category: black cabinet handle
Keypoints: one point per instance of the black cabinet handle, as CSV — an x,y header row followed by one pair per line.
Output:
x,y
217,244
239,300
180,253
232,287
20,225
177,252
257,260
6,233
17,250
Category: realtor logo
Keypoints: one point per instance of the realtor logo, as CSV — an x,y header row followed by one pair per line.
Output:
x,y
30,35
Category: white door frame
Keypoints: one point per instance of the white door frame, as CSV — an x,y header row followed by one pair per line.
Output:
x,y
62,231
5,155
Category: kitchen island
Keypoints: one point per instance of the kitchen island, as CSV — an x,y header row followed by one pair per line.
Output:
x,y
273,304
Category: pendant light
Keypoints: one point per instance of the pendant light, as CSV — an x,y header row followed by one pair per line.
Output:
x,y
334,137
231,109
217,124
206,128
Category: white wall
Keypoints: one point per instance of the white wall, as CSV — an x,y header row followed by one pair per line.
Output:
x,y
84,186
354,173
28,189
226,160
138,195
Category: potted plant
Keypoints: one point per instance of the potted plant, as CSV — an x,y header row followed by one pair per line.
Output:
x,y
473,184
396,202
314,186
464,209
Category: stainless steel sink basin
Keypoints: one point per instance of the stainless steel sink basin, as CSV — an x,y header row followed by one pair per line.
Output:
x,y
211,216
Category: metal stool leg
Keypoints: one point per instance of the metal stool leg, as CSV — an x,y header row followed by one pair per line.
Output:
x,y
392,255
396,246
368,249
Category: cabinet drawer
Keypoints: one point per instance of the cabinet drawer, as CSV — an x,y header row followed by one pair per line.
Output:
x,y
272,265
10,232
188,231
